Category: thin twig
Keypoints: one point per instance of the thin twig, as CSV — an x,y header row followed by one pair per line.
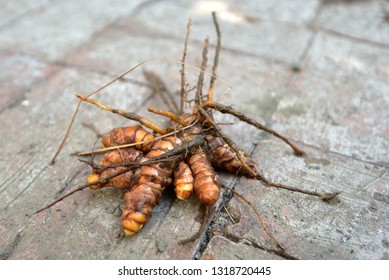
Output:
x,y
89,95
200,82
168,156
241,156
129,115
326,197
263,222
229,215
229,110
102,150
239,153
216,58
173,60
101,167
182,93
201,229
172,116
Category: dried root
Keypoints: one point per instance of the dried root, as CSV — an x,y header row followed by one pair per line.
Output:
x,y
183,181
186,151
111,158
128,135
224,158
206,183
151,182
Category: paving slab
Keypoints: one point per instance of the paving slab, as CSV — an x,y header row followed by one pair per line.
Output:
x,y
221,248
321,82
54,30
345,85
278,40
18,73
366,20
353,226
11,11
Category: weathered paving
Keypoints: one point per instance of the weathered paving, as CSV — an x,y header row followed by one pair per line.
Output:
x,y
316,71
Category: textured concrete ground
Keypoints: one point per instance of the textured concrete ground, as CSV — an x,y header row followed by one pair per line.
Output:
x,y
316,71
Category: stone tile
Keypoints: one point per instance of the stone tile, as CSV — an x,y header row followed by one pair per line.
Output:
x,y
335,107
293,12
342,58
366,20
11,11
221,248
19,73
351,227
271,39
34,130
58,29
324,115
338,102
262,82
128,50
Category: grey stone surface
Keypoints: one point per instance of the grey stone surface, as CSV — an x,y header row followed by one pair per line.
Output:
x,y
316,71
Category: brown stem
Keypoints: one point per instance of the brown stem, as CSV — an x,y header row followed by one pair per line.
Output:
x,y
169,115
88,95
323,196
233,146
229,110
201,229
199,90
182,93
240,155
128,115
262,221
216,58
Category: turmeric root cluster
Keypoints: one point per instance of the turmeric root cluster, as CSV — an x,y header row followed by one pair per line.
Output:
x,y
185,154
193,172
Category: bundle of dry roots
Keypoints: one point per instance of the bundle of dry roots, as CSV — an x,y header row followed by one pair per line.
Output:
x,y
185,154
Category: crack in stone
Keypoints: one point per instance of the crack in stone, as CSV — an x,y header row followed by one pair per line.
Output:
x,y
10,248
